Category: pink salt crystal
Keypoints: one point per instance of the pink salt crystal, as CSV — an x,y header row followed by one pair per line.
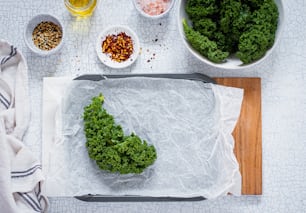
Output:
x,y
154,7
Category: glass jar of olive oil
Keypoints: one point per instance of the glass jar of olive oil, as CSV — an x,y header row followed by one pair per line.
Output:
x,y
81,8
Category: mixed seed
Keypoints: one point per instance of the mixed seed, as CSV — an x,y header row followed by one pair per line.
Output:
x,y
47,35
119,47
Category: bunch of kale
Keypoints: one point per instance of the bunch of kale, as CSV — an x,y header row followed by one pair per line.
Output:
x,y
109,147
223,27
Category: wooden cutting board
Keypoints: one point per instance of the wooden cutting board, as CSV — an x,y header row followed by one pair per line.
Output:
x,y
248,133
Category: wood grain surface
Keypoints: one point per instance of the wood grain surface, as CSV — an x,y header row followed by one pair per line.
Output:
x,y
248,133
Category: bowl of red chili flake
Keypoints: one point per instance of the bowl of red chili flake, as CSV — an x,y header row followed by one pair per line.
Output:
x,y
117,47
153,8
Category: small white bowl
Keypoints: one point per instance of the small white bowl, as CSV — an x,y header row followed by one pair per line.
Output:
x,y
105,58
231,62
30,28
140,10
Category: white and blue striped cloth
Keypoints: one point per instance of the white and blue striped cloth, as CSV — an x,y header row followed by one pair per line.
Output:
x,y
20,171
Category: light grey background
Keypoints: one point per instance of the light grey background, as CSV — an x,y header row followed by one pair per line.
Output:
x,y
283,94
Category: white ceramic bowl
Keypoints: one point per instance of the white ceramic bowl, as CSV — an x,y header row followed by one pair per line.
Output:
x,y
105,58
232,62
140,10
30,28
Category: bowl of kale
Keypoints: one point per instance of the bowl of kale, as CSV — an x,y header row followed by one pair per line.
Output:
x,y
230,34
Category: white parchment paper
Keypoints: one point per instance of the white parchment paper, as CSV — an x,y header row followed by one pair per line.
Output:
x,y
189,123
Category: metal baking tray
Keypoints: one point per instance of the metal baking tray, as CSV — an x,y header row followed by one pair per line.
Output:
x,y
187,76
137,198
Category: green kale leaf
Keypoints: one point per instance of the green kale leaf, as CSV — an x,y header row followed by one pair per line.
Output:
x,y
202,44
259,34
109,147
243,27
198,9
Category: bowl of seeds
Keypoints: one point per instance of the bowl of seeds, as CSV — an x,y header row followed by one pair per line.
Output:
x,y
44,34
117,46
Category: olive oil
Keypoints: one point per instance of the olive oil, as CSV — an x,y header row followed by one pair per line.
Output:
x,y
81,8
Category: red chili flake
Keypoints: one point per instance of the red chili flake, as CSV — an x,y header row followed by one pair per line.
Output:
x,y
119,47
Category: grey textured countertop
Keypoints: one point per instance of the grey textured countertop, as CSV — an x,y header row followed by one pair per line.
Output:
x,y
283,94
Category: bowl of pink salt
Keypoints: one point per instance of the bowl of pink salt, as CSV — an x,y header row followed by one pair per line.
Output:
x,y
153,8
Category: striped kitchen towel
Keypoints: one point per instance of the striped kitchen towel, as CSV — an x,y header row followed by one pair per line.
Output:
x,y
20,171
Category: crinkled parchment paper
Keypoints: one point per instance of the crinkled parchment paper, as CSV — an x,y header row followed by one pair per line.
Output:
x,y
189,123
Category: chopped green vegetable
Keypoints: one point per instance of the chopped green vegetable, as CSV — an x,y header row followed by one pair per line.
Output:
x,y
198,9
205,46
206,27
242,27
259,34
109,147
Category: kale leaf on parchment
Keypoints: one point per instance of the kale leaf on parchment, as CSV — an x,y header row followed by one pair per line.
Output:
x,y
109,147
